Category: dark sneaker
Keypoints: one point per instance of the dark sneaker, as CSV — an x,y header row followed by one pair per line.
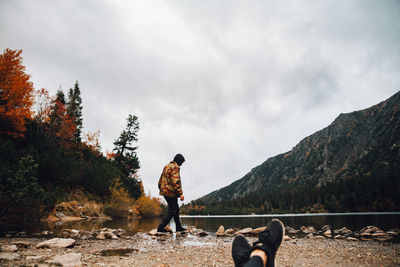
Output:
x,y
162,230
270,239
180,229
240,251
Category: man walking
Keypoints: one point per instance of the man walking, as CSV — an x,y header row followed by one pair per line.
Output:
x,y
171,188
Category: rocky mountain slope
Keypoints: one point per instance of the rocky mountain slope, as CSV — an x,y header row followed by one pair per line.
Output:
x,y
356,144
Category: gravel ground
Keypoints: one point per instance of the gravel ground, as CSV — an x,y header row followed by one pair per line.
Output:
x,y
189,250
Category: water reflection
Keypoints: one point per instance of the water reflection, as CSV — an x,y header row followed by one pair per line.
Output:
x,y
353,222
131,226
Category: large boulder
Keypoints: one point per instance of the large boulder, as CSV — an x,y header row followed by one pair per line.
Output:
x,y
221,231
245,231
57,243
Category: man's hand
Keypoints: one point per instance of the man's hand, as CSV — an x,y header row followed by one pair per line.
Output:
x,y
182,197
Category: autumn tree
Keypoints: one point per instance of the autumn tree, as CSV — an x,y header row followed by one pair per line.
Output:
x,y
92,141
43,105
74,110
16,94
61,126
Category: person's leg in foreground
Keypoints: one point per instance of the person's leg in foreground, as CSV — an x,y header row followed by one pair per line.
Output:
x,y
264,249
173,212
173,208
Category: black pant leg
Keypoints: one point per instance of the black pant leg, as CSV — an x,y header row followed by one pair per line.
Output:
x,y
176,215
173,209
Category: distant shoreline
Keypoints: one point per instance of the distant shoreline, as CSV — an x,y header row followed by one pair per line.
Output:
x,y
291,215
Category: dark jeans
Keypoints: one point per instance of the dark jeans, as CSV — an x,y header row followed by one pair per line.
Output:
x,y
173,212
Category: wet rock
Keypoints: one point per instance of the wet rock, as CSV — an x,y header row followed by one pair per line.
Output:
x,y
343,231
21,244
202,233
59,214
326,227
107,233
8,248
291,230
370,229
366,235
392,233
245,231
46,233
328,233
380,234
308,230
57,243
153,232
258,230
120,232
110,235
221,231
199,232
101,236
68,260
9,256
74,233
230,231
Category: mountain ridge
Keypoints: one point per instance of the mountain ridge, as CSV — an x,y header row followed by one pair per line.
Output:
x,y
355,144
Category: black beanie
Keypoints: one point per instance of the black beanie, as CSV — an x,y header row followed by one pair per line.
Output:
x,y
179,159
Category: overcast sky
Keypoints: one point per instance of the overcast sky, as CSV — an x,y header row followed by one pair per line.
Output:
x,y
226,83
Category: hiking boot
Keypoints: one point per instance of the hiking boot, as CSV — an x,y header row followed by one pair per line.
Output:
x,y
270,239
240,251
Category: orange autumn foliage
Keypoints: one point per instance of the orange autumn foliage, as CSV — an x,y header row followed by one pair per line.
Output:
x,y
147,206
16,94
91,140
43,104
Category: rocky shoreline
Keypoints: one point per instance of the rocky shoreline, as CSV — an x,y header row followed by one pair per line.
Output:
x,y
112,247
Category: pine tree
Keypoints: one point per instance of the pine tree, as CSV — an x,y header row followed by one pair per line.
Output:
x,y
74,110
126,157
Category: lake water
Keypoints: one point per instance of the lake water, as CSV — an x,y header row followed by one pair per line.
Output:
x,y
353,221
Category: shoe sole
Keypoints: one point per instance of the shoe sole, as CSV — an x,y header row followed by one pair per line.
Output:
x,y
283,230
